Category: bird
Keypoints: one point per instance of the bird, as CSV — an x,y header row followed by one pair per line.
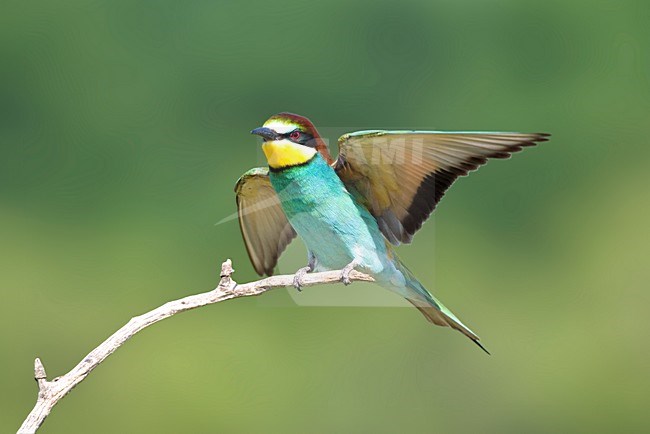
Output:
x,y
352,211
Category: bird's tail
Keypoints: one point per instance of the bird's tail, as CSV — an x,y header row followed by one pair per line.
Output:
x,y
434,311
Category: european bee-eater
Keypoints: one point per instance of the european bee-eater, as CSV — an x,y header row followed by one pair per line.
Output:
x,y
350,212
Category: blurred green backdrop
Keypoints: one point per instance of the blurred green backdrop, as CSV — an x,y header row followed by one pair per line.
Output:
x,y
124,125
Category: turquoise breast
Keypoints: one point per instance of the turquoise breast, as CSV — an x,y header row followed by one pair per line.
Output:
x,y
332,225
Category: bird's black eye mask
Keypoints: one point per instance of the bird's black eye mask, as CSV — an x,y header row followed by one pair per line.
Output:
x,y
300,137
295,136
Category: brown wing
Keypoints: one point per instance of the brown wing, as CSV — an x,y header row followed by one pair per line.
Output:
x,y
263,225
400,176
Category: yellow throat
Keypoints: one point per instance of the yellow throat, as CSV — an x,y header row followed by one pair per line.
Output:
x,y
284,153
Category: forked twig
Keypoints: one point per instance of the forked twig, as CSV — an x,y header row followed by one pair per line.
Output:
x,y
51,392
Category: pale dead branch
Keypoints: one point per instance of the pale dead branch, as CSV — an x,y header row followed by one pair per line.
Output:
x,y
50,392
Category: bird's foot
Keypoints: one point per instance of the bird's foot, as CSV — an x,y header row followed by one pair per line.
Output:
x,y
299,276
345,273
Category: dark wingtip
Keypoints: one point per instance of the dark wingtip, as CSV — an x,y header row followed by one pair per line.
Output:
x,y
476,341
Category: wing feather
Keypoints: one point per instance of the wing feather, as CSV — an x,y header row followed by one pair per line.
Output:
x,y
264,226
400,176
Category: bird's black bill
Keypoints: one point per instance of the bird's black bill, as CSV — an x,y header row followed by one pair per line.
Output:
x,y
266,133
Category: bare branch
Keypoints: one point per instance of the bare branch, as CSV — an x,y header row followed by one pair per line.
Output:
x,y
50,392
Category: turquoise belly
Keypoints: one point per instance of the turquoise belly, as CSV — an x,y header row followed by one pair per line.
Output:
x,y
331,224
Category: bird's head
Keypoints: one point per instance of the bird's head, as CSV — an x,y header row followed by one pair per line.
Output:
x,y
290,140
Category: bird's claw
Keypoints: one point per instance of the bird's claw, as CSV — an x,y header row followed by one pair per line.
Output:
x,y
299,276
345,273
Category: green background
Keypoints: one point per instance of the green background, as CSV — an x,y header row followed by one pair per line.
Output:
x,y
124,125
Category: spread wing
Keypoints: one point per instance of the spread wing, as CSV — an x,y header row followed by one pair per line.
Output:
x,y
263,225
400,176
